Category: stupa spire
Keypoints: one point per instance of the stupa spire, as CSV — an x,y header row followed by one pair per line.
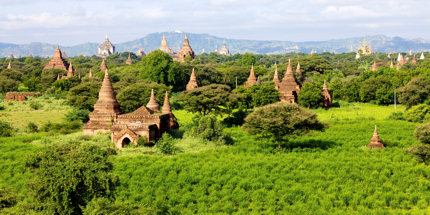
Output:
x,y
9,66
166,105
391,63
276,76
289,74
70,72
299,71
192,84
107,102
91,74
164,41
128,61
103,66
376,141
153,104
251,79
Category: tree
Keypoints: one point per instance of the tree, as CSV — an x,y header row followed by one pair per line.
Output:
x,y
215,98
49,76
138,94
415,92
248,59
418,113
68,176
159,67
310,95
257,95
422,133
281,121
65,84
85,95
5,129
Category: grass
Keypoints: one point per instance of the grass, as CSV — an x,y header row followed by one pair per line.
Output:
x,y
19,114
329,172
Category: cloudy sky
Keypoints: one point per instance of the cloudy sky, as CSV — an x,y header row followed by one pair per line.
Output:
x,y
79,21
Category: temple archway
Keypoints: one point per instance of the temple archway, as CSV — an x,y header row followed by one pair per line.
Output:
x,y
125,142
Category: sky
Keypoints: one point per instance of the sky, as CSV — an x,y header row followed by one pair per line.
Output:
x,y
80,21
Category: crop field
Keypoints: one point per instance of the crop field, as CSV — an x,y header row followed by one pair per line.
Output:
x,y
329,172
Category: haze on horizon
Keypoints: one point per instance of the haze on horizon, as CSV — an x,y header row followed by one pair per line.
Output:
x,y
80,21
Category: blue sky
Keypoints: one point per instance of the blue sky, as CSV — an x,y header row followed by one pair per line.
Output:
x,y
79,21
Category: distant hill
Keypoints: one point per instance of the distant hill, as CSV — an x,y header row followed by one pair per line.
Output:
x,y
379,43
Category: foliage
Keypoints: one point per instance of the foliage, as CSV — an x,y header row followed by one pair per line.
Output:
x,y
215,98
84,96
66,84
397,116
422,133
207,127
418,113
68,176
310,95
136,95
281,121
166,144
257,95
248,59
417,91
159,67
103,206
7,198
421,152
63,128
78,115
35,105
32,127
5,129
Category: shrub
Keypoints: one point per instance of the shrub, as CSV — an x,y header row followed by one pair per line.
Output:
x,y
421,152
63,128
166,144
5,129
418,113
34,105
422,133
236,118
2,107
207,127
396,116
7,198
67,176
78,115
99,206
32,127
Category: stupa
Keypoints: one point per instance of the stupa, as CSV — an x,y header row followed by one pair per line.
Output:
x,y
70,72
192,84
376,141
103,66
128,61
276,77
251,79
105,111
299,71
153,103
327,100
288,88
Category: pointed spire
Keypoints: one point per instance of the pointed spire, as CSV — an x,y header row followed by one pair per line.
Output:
x,y
422,56
325,85
391,63
327,99
9,66
166,105
164,41
103,66
414,60
192,84
299,71
258,80
58,77
106,102
91,74
374,66
128,61
251,79
70,72
106,37
153,104
376,141
289,73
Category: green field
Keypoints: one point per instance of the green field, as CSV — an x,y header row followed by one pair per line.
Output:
x,y
330,172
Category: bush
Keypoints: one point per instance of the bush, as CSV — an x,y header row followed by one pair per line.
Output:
x,y
34,105
78,115
5,129
422,133
7,198
2,107
418,113
166,144
65,177
236,118
207,127
32,127
421,152
101,206
63,128
396,116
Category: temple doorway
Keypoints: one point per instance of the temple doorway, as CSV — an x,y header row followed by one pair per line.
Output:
x,y
125,142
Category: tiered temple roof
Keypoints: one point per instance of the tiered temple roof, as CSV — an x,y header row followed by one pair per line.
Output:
x,y
186,50
57,61
224,50
251,79
192,84
288,88
105,111
376,141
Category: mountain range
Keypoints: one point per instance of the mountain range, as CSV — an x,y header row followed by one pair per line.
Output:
x,y
208,43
